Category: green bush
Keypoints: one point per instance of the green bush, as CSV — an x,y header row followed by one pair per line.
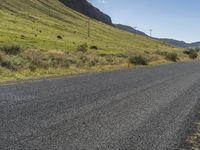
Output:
x,y
138,60
11,49
193,55
172,56
83,48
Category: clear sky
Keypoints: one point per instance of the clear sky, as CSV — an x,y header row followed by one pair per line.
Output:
x,y
178,19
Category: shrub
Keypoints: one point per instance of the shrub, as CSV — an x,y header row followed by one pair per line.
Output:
x,y
172,56
60,62
12,63
82,48
22,36
59,37
193,55
189,51
32,68
138,60
197,49
11,49
37,58
94,47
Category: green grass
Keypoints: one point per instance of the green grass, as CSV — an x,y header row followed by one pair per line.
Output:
x,y
37,24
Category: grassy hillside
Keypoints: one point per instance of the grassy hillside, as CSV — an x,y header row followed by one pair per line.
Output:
x,y
41,21
48,28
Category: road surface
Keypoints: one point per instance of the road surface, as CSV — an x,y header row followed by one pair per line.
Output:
x,y
136,109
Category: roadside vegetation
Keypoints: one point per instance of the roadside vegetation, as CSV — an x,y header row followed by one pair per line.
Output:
x,y
19,63
193,141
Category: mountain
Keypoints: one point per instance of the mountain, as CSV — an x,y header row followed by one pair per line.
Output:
x,y
196,44
173,42
129,29
86,8
180,44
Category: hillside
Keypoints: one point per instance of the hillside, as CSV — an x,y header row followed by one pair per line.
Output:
x,y
37,23
54,40
84,7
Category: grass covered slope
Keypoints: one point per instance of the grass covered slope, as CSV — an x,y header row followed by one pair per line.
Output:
x,y
37,23
52,39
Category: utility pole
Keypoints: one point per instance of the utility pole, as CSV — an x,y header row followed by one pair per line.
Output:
x,y
135,29
151,32
88,27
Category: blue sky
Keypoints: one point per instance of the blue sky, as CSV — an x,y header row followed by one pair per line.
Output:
x,y
178,19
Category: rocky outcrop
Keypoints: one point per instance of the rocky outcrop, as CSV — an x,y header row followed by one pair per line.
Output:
x,y
86,8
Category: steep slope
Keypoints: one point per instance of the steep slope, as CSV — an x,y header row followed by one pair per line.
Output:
x,y
84,7
38,23
129,29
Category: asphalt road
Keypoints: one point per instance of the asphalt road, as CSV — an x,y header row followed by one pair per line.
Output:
x,y
137,109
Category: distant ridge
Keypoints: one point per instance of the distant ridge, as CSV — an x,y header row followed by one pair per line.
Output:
x,y
129,29
173,42
86,8
180,44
